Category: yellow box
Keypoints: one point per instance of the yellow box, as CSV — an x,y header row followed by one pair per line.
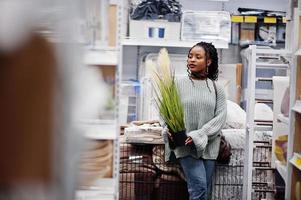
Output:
x,y
270,20
237,18
298,162
250,19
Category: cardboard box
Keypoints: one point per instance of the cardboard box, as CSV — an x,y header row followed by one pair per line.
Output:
x,y
247,31
154,29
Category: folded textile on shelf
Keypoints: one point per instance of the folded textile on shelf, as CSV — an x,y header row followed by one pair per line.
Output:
x,y
146,133
96,162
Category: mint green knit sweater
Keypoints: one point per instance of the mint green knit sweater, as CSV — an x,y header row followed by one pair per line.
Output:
x,y
202,124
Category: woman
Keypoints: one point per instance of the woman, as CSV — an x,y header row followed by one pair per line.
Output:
x,y
205,114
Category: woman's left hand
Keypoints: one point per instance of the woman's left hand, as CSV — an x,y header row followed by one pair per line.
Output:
x,y
188,141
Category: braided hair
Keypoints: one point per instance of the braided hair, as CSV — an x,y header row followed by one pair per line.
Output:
x,y
211,71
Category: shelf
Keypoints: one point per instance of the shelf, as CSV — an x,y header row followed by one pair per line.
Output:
x,y
297,106
296,160
267,101
219,44
103,189
283,119
269,50
93,195
263,79
282,169
262,128
99,129
271,65
100,57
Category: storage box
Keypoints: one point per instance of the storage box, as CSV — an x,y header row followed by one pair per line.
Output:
x,y
206,25
247,31
267,33
156,29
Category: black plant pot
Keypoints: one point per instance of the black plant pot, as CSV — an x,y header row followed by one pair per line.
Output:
x,y
179,138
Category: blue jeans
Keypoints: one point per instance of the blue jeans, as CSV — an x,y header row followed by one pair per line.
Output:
x,y
198,173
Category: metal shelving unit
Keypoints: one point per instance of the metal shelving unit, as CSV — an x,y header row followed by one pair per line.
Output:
x,y
253,125
294,137
220,44
132,48
103,130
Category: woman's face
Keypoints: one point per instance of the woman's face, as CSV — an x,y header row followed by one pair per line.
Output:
x,y
197,60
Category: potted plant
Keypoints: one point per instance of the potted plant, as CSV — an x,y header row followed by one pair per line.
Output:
x,y
167,98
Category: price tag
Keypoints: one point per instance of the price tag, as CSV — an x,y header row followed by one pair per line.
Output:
x,y
283,20
270,20
250,19
237,18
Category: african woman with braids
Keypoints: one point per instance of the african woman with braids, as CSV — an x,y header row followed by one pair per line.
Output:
x,y
205,111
